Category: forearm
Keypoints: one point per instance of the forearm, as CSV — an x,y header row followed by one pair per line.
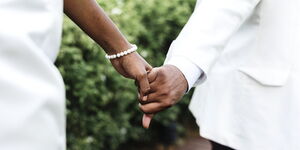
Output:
x,y
91,18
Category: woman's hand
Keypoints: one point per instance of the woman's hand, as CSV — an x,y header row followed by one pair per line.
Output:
x,y
133,66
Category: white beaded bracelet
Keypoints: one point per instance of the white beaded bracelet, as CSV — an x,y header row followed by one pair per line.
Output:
x,y
132,49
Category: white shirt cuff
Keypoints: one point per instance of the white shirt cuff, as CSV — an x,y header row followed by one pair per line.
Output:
x,y
190,70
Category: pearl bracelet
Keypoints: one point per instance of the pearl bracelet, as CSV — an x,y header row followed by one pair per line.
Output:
x,y
132,49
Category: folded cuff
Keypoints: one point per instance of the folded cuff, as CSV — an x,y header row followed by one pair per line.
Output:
x,y
191,71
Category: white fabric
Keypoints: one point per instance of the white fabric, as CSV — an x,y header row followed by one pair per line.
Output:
x,y
249,53
32,98
190,70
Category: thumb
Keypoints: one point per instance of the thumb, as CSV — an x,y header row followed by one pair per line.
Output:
x,y
152,75
144,86
147,120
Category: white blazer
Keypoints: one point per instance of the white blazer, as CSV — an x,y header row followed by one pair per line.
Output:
x,y
247,52
32,98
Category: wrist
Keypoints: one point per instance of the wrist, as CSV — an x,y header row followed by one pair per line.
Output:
x,y
180,75
132,49
118,47
190,70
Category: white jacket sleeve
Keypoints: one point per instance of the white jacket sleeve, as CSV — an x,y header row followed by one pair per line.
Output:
x,y
205,35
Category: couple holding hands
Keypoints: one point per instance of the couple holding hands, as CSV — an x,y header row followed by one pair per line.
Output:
x,y
242,53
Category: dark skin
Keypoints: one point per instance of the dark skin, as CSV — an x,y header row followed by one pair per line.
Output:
x,y
91,18
168,85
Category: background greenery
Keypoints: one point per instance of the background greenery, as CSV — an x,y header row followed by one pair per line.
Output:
x,y
102,107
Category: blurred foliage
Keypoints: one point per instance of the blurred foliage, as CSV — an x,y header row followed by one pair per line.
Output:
x,y
102,110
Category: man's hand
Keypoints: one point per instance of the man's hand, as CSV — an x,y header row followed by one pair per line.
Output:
x,y
133,66
167,86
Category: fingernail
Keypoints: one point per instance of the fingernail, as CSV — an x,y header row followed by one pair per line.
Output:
x,y
146,121
145,98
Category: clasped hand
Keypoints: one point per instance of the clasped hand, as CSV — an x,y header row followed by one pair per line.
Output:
x,y
167,86
159,88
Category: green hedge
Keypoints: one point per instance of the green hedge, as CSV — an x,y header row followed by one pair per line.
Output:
x,y
102,110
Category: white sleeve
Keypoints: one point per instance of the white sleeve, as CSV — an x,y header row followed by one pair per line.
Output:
x,y
190,70
207,32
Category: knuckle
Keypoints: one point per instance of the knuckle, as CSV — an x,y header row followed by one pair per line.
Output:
x,y
172,94
165,91
145,90
142,109
168,103
163,73
145,110
142,75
